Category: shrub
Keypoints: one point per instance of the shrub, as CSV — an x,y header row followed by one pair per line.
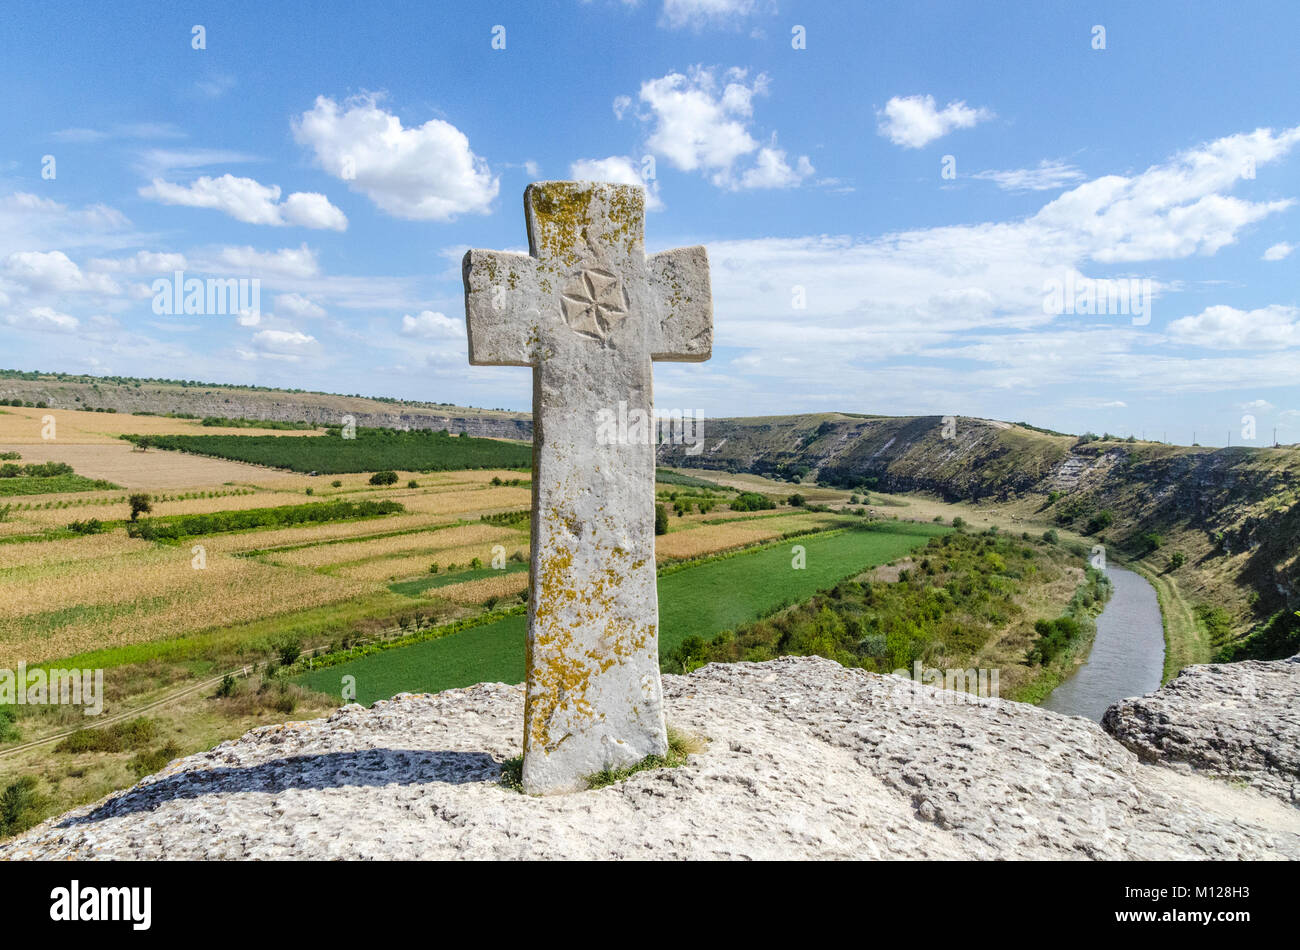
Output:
x,y
383,478
413,484
288,650
796,500
751,501
1177,560
140,505
1050,536
661,519
21,806
1099,522
89,526
336,483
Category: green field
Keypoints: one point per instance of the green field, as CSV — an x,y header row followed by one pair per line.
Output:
x,y
372,450
58,484
695,601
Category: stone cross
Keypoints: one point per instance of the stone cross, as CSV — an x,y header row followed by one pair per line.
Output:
x,y
588,311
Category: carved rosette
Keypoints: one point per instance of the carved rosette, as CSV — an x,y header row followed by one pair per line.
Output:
x,y
593,302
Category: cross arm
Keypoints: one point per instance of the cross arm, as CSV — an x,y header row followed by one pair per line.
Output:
x,y
684,332
502,312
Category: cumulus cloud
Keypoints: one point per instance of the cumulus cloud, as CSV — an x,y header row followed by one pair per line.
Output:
x,y
43,318
248,200
1279,252
915,121
1227,328
1047,176
247,261
700,122
618,169
296,305
429,323
697,14
286,345
423,173
55,272
1171,210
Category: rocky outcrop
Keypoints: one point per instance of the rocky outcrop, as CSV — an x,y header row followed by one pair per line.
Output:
x,y
1236,721
805,759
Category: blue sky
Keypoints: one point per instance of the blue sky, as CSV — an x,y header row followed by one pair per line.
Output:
x,y
917,176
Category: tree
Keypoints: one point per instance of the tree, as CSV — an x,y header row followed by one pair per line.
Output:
x,y
383,478
796,500
1177,560
661,519
140,505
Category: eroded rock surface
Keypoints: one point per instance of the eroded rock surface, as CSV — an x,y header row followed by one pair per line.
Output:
x,y
805,759
1238,721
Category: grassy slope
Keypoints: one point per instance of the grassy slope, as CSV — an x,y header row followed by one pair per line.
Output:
x,y
1233,513
691,603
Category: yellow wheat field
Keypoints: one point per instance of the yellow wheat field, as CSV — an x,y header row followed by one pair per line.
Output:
x,y
475,592
481,535
28,426
470,502
310,534
50,553
400,568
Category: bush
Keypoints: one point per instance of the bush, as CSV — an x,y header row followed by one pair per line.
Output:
x,y
140,505
288,650
336,483
119,737
89,526
661,519
1099,522
413,484
21,806
796,500
751,501
1177,560
1050,536
383,478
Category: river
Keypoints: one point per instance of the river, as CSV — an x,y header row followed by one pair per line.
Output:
x,y
1127,656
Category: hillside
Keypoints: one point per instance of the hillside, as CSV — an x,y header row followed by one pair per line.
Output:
x,y
1223,523
125,394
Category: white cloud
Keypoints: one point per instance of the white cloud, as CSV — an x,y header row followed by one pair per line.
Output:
x,y
429,323
619,169
1256,405
697,14
288,262
914,121
772,171
701,123
43,318
423,173
297,305
164,162
55,272
1279,252
247,200
1049,175
143,262
28,221
285,345
1227,328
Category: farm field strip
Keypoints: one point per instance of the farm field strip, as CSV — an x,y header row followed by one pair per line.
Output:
x,y
690,604
355,553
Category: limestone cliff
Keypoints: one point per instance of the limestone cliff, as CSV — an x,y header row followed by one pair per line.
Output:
x,y
805,758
